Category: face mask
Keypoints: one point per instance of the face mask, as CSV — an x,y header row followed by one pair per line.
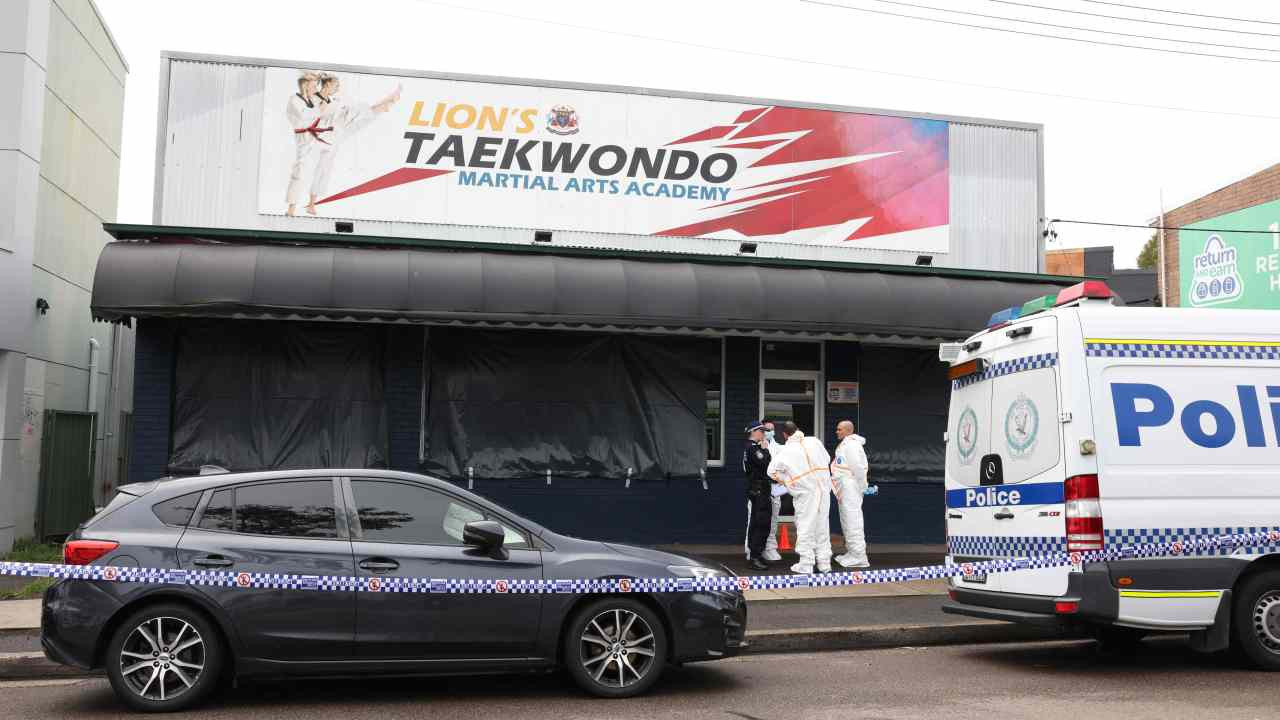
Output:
x,y
768,435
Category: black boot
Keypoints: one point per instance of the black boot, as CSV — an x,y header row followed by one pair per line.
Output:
x,y
758,563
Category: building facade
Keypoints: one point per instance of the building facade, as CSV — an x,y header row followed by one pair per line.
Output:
x,y
60,154
572,299
1136,287
1223,249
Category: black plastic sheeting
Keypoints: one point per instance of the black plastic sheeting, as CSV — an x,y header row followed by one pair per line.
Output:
x,y
514,404
905,394
272,395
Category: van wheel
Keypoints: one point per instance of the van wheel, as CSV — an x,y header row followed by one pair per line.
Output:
x,y
164,658
1257,619
615,648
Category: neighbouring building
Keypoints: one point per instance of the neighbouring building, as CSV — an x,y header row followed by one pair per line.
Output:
x,y
1223,249
572,299
1135,286
65,381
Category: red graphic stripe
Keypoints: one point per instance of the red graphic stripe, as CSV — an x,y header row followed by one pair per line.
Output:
x,y
749,115
711,133
382,182
754,144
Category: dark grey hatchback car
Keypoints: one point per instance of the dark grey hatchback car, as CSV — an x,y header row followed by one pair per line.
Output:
x,y
166,646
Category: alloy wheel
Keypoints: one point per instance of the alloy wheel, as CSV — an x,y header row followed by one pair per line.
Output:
x,y
162,658
1266,620
618,648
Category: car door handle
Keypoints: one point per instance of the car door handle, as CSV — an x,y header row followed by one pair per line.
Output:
x,y
212,561
379,564
1004,515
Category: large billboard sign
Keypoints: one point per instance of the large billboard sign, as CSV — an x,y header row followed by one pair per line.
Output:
x,y
425,150
1220,268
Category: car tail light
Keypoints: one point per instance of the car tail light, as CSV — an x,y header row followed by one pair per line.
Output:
x,y
1083,513
84,552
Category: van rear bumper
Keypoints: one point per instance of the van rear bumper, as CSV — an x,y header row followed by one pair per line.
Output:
x,y
1095,599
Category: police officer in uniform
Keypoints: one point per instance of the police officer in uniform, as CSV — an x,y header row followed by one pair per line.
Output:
x,y
755,464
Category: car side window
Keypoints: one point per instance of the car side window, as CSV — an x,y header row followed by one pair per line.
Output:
x,y
284,509
177,511
406,513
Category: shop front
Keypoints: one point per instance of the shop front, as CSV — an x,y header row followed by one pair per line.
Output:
x,y
602,393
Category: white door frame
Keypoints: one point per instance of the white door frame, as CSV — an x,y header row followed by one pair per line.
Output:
x,y
819,396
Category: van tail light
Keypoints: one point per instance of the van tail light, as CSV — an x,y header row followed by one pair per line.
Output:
x,y
1083,513
84,552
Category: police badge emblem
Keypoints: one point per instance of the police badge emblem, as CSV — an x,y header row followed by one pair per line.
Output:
x,y
562,120
1021,426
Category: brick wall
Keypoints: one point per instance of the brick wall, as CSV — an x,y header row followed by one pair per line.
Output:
x,y
1256,189
1064,262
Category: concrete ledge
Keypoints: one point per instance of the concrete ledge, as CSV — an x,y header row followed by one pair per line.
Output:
x,y
882,636
35,666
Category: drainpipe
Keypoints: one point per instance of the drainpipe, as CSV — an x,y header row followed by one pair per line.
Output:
x,y
95,349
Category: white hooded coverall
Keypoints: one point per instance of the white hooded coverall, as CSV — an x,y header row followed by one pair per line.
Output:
x,y
849,479
803,466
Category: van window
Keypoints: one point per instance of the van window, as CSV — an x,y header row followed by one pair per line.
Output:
x,y
1025,431
969,430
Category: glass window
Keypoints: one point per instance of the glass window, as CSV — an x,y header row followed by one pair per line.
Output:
x,y
177,511
790,355
714,423
405,513
220,513
291,509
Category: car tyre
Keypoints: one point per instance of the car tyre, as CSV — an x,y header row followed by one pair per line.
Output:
x,y
1256,619
615,647
164,658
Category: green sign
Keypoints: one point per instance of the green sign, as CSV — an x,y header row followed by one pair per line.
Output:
x,y
1232,269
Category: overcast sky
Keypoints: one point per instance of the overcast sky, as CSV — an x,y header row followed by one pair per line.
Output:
x,y
1104,161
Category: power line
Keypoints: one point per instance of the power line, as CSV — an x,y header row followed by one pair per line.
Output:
x,y
1160,227
1037,34
1183,12
1129,19
1075,27
855,68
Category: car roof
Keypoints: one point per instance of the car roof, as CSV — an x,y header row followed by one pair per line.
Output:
x,y
181,485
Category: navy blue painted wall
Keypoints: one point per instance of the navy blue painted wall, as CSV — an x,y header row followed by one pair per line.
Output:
x,y
647,512
152,399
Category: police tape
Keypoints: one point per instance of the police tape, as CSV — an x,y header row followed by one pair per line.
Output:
x,y
1221,544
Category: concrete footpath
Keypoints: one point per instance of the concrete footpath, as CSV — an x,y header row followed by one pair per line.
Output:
x,y
778,621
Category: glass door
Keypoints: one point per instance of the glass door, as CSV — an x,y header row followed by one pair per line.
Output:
x,y
791,395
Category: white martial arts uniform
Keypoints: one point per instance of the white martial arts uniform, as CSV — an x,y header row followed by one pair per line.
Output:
x,y
849,480
310,135
803,466
346,120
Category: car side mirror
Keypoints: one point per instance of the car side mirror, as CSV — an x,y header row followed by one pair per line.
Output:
x,y
485,535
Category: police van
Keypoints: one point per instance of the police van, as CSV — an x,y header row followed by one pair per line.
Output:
x,y
1077,425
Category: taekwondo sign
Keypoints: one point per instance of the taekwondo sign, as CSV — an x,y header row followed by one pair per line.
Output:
x,y
427,150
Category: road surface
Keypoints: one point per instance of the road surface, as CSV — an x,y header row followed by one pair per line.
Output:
x,y
1042,681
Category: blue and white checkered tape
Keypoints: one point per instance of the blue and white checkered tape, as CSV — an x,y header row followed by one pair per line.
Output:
x,y
1005,556
1182,350
1008,367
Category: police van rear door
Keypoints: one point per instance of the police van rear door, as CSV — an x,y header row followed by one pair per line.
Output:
x,y
1008,499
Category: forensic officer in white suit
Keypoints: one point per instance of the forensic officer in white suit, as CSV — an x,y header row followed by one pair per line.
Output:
x,y
849,482
803,466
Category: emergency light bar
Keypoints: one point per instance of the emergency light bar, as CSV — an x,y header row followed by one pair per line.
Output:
x,y
965,369
1040,304
1089,289
1004,317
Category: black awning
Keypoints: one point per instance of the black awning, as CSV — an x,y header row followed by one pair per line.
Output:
x,y
467,286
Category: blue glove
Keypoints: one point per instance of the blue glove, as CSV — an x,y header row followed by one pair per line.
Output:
x,y
871,490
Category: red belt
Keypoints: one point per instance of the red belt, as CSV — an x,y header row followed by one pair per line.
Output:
x,y
314,131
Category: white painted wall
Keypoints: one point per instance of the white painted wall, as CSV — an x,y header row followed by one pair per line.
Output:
x,y
60,142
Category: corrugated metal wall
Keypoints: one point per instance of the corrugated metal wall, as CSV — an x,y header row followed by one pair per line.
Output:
x,y
208,177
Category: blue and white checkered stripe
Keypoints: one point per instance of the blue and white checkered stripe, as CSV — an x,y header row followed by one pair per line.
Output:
x,y
1182,350
1122,544
1005,546
1008,367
